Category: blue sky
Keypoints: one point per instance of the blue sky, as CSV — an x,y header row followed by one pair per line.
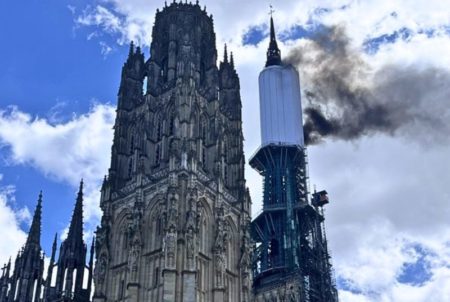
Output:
x,y
50,70
61,62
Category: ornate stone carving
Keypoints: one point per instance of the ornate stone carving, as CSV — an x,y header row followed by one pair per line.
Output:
x,y
170,245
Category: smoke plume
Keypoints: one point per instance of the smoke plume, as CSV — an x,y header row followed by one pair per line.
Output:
x,y
346,99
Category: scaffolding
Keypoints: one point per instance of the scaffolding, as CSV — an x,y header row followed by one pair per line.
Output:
x,y
289,234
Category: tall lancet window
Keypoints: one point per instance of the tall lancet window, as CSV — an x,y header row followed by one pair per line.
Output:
x,y
144,85
159,129
130,167
157,153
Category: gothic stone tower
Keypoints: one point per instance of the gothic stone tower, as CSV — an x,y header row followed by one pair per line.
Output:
x,y
175,223
291,260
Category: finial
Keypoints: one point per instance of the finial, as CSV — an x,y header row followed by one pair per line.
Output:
x,y
271,11
273,53
131,49
81,186
196,2
165,3
225,54
231,60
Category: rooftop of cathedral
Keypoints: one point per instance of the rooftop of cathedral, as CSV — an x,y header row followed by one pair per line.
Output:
x,y
183,6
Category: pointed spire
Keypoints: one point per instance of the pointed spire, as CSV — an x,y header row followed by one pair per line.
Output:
x,y
52,263
225,54
91,265
231,60
76,224
55,242
8,267
273,53
34,236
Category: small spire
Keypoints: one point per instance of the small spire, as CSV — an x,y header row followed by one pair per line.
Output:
x,y
91,266
225,54
231,60
138,50
92,246
273,53
34,236
105,181
76,224
55,242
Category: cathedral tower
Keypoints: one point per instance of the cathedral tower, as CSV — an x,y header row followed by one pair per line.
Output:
x,y
175,223
291,260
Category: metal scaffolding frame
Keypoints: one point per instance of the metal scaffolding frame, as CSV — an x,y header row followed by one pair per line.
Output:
x,y
289,234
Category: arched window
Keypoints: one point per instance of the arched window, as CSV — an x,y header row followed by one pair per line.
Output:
x,y
273,252
130,167
145,85
131,144
121,292
225,174
34,298
204,156
157,154
159,129
203,129
124,241
203,234
171,125
156,277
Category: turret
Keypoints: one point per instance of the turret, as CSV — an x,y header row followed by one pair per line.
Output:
x,y
26,280
229,86
182,50
72,257
131,84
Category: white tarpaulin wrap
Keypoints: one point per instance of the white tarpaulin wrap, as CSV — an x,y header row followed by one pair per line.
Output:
x,y
280,106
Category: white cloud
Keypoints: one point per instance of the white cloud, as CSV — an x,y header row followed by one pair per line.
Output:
x,y
66,151
12,235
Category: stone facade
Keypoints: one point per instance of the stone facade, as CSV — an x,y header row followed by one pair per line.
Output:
x,y
176,210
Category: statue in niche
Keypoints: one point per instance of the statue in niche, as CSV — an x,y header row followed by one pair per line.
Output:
x,y
100,269
220,267
190,247
170,246
133,261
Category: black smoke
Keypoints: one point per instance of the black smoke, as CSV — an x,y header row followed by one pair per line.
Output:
x,y
346,99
